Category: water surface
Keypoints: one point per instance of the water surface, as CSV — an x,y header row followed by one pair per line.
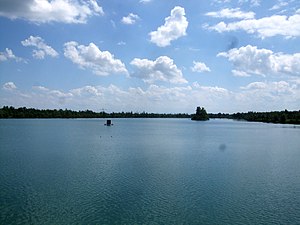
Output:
x,y
148,171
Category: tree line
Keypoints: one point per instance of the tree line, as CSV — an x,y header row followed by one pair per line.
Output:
x,y
23,112
284,117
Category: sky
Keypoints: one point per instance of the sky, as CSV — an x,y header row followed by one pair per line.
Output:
x,y
150,55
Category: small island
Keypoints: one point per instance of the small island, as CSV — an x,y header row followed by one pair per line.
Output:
x,y
200,115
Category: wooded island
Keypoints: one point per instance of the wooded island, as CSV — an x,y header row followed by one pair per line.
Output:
x,y
201,114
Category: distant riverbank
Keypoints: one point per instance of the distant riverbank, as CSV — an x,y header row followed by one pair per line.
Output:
x,y
283,117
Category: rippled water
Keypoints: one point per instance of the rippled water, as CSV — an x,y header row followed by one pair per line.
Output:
x,y
149,171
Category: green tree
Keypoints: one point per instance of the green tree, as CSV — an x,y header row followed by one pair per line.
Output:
x,y
201,114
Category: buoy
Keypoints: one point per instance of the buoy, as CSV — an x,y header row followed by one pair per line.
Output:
x,y
108,123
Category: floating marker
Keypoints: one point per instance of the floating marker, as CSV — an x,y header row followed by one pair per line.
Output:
x,y
108,123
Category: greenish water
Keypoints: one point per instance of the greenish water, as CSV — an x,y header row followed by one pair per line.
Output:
x,y
148,171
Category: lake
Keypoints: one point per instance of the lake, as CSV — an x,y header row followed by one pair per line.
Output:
x,y
148,171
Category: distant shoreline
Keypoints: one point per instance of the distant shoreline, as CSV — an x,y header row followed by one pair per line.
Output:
x,y
277,117
280,117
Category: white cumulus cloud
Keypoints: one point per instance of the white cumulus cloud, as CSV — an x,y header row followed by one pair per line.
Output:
x,y
45,11
276,25
253,3
228,13
130,19
175,27
267,96
8,54
255,85
275,87
161,69
239,73
121,43
9,86
279,5
200,67
250,60
86,91
145,1
91,57
42,49
256,96
40,88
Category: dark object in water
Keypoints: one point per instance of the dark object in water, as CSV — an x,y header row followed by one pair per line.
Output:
x,y
108,123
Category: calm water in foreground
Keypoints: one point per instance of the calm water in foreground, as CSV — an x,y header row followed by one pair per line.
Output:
x,y
148,171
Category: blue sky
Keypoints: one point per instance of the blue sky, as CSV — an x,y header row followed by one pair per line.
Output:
x,y
150,55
